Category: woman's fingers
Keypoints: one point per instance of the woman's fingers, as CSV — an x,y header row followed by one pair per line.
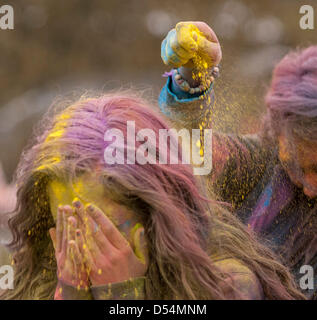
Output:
x,y
84,250
76,255
72,225
98,237
71,231
80,241
79,211
66,212
59,228
52,233
107,227
72,257
87,246
81,215
76,261
65,232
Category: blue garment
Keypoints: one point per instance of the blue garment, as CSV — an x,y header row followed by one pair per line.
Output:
x,y
173,96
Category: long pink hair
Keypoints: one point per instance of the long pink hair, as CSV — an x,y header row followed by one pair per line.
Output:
x,y
184,231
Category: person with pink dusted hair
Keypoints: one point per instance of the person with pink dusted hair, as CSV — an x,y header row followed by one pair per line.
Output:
x,y
87,229
270,178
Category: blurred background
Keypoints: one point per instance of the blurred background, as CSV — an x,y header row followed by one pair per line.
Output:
x,y
62,46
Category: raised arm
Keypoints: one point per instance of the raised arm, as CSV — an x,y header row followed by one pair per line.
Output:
x,y
238,161
192,50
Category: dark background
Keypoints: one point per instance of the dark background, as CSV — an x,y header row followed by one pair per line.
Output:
x,y
62,46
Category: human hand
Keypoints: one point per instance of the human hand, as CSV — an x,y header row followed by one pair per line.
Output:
x,y
70,265
187,40
107,254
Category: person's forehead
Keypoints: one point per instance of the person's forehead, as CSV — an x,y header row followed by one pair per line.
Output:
x,y
88,190
80,187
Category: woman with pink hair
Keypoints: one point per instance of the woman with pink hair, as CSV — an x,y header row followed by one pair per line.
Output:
x,y
84,228
269,178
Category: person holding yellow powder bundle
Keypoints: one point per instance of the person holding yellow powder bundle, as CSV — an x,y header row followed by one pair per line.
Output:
x,y
269,178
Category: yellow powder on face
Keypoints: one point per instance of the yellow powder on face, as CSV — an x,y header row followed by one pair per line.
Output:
x,y
85,189
88,190
59,194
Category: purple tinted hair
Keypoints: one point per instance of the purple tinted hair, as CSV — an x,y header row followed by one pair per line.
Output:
x,y
182,228
292,97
